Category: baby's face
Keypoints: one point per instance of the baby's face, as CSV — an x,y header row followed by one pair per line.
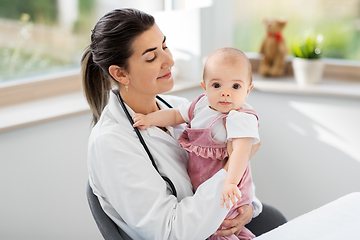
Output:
x,y
227,86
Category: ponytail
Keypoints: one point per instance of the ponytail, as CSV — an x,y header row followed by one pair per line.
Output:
x,y
96,85
111,44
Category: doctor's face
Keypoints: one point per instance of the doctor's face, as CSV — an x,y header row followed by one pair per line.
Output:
x,y
150,65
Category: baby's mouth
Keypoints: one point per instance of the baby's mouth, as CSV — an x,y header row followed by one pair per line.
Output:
x,y
225,103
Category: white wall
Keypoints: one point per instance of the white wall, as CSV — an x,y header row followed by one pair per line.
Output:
x,y
193,33
43,170
310,150
43,175
105,6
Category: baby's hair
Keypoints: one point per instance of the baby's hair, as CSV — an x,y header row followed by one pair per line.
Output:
x,y
228,55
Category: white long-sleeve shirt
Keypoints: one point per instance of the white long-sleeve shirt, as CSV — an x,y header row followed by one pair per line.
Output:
x,y
133,193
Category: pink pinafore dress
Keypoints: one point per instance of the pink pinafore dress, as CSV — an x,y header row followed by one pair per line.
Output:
x,y
206,157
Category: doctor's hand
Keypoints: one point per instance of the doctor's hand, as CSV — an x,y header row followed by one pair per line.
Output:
x,y
235,225
141,121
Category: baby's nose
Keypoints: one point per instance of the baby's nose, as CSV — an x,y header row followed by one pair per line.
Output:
x,y
225,94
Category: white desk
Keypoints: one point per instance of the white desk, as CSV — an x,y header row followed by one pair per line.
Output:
x,y
337,220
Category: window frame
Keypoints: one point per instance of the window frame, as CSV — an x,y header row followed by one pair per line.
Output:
x,y
339,70
60,83
40,87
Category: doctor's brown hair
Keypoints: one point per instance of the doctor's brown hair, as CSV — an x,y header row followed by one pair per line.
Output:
x,y
111,44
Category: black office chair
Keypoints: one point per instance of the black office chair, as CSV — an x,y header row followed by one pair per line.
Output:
x,y
269,219
108,229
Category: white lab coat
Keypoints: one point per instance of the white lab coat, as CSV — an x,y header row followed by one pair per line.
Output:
x,y
135,196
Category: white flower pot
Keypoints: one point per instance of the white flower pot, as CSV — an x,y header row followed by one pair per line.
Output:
x,y
308,71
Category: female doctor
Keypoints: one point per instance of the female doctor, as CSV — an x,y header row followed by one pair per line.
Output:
x,y
144,187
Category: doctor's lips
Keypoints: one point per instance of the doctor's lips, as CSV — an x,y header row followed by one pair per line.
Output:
x,y
168,75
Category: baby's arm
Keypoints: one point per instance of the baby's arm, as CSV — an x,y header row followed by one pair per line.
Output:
x,y
239,158
161,118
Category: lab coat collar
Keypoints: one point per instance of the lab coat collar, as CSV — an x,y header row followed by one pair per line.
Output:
x,y
120,116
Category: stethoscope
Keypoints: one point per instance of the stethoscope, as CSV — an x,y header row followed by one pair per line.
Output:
x,y
166,179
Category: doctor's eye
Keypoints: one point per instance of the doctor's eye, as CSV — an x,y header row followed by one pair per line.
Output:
x,y
151,60
216,85
236,86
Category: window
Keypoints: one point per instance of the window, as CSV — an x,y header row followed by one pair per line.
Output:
x,y
337,20
41,51
48,36
42,36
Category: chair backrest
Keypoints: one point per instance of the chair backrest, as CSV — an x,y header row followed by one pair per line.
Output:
x,y
108,229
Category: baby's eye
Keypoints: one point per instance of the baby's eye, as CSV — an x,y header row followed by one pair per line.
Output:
x,y
216,85
236,86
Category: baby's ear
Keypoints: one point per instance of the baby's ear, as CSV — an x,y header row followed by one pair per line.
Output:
x,y
203,85
251,86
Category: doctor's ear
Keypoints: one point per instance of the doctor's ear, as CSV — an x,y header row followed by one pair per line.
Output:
x,y
119,74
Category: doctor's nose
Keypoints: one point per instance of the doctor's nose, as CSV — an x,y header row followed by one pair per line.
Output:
x,y
168,63
168,60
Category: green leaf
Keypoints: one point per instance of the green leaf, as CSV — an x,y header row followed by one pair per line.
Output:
x,y
307,47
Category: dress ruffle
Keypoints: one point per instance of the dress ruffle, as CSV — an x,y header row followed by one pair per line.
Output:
x,y
205,152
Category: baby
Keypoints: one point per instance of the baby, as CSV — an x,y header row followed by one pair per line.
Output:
x,y
221,127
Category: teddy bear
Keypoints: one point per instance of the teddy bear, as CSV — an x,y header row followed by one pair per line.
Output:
x,y
273,48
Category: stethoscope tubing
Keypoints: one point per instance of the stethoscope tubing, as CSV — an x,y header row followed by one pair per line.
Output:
x,y
142,141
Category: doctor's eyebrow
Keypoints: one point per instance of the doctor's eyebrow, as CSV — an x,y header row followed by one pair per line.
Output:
x,y
152,49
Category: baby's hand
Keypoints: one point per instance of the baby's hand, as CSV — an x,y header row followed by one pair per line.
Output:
x,y
141,121
230,192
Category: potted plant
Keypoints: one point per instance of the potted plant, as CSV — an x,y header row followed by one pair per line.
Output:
x,y
307,64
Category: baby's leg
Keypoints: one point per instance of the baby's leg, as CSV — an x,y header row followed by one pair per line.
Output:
x,y
232,213
245,233
230,237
